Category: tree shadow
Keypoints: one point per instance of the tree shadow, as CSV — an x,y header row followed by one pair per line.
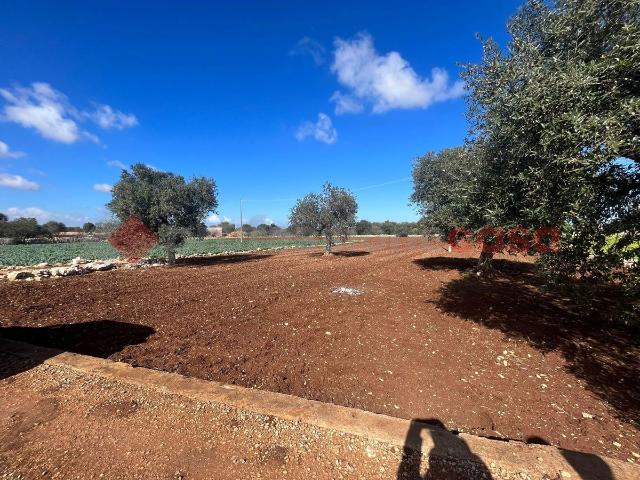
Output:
x,y
219,260
587,465
449,456
505,267
344,253
99,338
604,354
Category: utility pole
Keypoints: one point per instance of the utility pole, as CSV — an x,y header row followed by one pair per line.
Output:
x,y
241,229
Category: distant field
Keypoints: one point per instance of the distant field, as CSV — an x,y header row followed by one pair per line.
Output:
x,y
24,255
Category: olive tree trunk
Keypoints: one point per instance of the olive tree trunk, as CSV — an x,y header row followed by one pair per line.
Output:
x,y
171,254
329,243
485,263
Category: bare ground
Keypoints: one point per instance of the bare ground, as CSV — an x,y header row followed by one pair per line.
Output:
x,y
495,357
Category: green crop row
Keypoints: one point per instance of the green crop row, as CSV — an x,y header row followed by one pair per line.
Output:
x,y
25,255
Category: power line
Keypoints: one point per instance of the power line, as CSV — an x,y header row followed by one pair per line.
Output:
x,y
384,184
366,187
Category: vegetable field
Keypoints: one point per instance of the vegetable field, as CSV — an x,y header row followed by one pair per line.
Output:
x,y
25,255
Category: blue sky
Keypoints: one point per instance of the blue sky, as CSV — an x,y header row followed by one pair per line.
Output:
x,y
271,99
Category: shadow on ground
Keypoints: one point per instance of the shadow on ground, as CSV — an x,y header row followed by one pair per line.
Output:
x,y
99,338
446,445
219,260
603,354
449,457
587,465
345,253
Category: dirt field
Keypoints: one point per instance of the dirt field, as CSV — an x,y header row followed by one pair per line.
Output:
x,y
493,357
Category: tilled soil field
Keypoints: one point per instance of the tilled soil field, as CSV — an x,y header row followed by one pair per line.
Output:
x,y
425,339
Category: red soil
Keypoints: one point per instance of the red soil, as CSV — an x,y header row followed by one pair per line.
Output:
x,y
494,357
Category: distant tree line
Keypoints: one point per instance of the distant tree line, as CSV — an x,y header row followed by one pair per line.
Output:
x,y
401,229
20,229
361,227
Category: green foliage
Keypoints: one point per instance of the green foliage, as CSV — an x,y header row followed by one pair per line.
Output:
x,y
107,226
20,229
331,213
166,203
448,190
246,228
227,227
365,227
556,134
266,230
88,227
53,228
24,255
3,217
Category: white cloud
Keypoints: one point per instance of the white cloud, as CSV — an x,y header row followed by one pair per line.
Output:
x,y
346,103
215,219
322,130
29,212
50,113
117,164
16,181
385,81
309,46
212,219
108,118
42,108
260,218
102,187
43,216
6,152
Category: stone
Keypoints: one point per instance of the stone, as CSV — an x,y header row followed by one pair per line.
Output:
x,y
13,276
347,291
65,271
99,266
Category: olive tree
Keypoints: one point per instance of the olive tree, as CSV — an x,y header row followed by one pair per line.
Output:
x,y
450,191
53,228
227,227
331,213
20,229
555,125
170,206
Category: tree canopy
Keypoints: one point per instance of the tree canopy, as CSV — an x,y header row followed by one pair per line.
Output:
x,y
555,136
331,213
53,228
170,206
20,229
447,190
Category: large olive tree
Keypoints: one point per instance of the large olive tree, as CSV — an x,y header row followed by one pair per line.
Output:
x,y
331,213
556,119
165,202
